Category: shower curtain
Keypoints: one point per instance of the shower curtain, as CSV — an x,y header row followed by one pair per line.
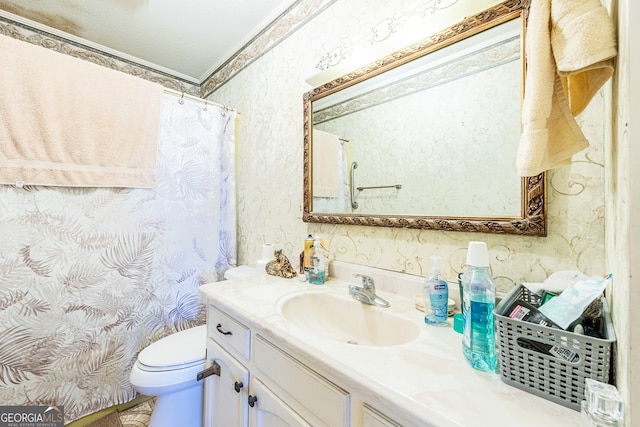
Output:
x,y
91,276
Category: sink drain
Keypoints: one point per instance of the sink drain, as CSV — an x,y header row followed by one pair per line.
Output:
x,y
354,342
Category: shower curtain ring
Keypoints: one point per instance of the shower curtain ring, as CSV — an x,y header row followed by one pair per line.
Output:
x,y
205,105
181,100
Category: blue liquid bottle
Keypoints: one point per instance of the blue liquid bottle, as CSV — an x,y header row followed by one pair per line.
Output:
x,y
436,297
478,338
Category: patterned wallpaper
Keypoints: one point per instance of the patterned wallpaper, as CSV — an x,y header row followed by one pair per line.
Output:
x,y
269,95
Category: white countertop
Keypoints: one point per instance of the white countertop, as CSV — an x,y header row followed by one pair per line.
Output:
x,y
427,379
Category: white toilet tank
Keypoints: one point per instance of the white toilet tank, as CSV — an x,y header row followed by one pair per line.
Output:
x,y
240,272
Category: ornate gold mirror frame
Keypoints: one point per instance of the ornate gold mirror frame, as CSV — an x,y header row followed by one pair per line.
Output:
x,y
532,220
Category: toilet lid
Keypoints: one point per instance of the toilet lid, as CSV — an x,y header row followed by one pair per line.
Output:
x,y
180,350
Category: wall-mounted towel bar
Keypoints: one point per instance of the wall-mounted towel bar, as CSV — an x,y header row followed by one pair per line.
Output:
x,y
352,177
396,186
354,165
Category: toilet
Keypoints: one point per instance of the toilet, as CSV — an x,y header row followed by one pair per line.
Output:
x,y
168,368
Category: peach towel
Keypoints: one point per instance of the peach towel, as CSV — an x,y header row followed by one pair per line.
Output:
x,y
68,122
570,46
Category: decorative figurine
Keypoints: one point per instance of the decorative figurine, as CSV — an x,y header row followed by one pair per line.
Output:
x,y
281,266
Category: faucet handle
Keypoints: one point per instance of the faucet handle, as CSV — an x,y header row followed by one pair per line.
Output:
x,y
367,281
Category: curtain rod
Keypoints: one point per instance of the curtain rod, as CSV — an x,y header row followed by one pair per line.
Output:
x,y
196,99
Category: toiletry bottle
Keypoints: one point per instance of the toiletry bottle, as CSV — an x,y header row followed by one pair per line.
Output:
x,y
307,254
478,338
317,269
436,297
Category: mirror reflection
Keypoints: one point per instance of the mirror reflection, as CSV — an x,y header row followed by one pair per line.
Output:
x,y
412,141
428,142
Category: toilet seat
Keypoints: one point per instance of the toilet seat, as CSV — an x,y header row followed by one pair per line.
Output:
x,y
181,350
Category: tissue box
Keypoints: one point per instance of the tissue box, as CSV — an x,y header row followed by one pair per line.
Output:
x,y
548,362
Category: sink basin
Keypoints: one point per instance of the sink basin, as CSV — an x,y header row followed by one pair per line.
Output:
x,y
340,318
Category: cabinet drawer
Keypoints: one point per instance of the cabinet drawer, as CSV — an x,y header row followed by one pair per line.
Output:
x,y
228,332
323,399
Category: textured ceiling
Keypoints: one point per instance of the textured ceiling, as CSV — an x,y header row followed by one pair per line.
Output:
x,y
186,38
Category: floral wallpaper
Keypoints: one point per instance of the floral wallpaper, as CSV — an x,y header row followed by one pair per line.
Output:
x,y
91,276
269,94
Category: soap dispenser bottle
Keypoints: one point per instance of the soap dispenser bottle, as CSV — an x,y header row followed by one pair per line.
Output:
x,y
436,297
318,265
478,337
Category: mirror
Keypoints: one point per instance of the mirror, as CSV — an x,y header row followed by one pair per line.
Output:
x,y
427,136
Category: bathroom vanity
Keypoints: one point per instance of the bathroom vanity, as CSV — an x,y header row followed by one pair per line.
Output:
x,y
296,354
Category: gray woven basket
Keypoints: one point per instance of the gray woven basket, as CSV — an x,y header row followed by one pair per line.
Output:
x,y
557,375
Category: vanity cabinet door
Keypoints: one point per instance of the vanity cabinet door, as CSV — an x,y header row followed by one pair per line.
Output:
x,y
225,397
320,401
269,411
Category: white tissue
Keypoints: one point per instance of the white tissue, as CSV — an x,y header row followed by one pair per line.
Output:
x,y
557,282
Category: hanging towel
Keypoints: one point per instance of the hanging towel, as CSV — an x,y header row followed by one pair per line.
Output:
x,y
68,122
569,45
325,152
583,43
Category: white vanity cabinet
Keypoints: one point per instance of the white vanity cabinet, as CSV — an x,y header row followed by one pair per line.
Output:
x,y
260,385
289,372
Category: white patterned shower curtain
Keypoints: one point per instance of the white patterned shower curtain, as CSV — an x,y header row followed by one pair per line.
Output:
x,y
90,276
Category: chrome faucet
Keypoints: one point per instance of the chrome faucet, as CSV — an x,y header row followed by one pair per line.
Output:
x,y
367,293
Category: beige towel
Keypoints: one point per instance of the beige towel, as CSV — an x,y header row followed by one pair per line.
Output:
x,y
67,122
584,45
578,36
325,148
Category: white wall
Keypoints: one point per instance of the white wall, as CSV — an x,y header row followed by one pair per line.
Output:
x,y
623,202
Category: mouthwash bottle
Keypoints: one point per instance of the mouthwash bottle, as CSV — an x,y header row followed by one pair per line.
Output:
x,y
436,297
478,337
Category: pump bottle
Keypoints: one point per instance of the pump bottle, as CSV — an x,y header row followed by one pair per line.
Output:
x,y
317,273
436,297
